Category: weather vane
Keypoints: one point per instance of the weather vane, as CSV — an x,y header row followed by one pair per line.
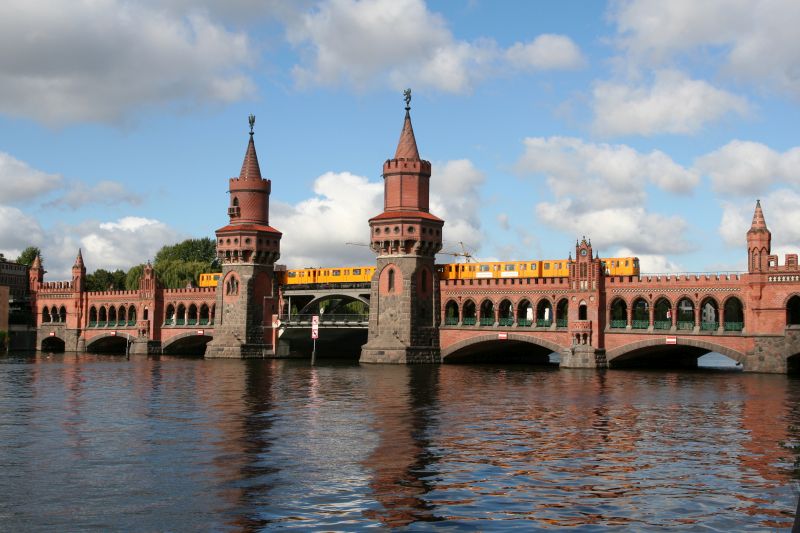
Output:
x,y
252,120
407,98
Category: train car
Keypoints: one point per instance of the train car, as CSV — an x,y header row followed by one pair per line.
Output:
x,y
210,279
555,268
332,275
621,266
489,270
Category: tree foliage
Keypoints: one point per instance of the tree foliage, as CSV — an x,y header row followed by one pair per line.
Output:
x,y
191,250
103,280
179,265
28,255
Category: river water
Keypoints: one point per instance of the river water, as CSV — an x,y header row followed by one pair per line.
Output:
x,y
103,443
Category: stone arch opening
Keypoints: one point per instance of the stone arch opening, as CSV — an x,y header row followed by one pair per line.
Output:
x,y
132,315
469,316
451,314
191,317
562,312
54,314
53,344
180,315
45,314
62,314
793,311
640,314
92,316
733,314
110,344
515,348
506,313
186,344
544,313
655,353
619,314
336,305
112,315
487,313
102,317
169,315
524,313
709,314
793,364
205,315
685,314
662,314
122,315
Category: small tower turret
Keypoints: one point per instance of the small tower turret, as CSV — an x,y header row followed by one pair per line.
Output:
x,y
79,273
36,274
759,240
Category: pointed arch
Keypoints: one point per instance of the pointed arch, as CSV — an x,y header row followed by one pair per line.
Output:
x,y
451,314
618,314
469,315
709,314
733,314
524,313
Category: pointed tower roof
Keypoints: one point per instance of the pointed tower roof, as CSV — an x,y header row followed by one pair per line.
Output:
x,y
758,224
37,262
407,146
79,260
250,168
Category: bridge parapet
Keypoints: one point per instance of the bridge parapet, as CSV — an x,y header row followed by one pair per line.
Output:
x,y
581,331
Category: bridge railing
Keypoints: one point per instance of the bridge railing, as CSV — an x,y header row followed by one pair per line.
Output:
x,y
332,318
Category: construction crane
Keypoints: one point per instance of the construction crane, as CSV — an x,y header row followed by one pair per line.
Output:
x,y
468,257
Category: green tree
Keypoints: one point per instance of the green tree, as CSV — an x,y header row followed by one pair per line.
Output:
x,y
179,265
201,250
28,255
132,278
103,280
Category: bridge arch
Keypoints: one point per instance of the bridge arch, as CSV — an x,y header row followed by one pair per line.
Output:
x,y
792,306
188,343
109,342
314,304
53,344
523,348
655,349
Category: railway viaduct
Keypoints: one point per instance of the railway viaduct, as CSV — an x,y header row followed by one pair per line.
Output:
x,y
591,319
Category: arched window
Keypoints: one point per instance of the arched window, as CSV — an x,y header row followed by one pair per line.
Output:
x,y
544,313
191,319
451,313
619,314
685,314
122,315
62,314
112,315
204,312
506,310
390,280
709,315
146,314
469,318
45,314
583,311
524,313
662,314
487,313
235,202
562,313
169,316
734,314
92,316
180,318
132,315
102,318
54,314
793,311
640,318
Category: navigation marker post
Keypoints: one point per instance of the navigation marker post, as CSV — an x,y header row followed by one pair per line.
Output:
x,y
314,337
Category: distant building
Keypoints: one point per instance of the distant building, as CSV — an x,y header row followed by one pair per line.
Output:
x,y
4,295
15,277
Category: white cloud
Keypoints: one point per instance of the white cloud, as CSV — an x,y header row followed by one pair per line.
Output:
x,y
747,168
368,43
672,104
103,193
755,38
64,62
604,186
546,52
652,264
455,197
20,182
18,231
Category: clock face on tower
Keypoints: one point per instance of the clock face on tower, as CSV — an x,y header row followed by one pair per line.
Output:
x,y
583,252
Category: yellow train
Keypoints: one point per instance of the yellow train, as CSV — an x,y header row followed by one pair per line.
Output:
x,y
210,279
613,266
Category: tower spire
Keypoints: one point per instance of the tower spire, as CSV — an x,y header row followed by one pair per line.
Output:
x,y
407,146
250,169
759,223
79,260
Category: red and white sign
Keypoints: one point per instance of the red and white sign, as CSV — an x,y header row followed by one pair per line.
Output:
x,y
315,327
502,336
113,333
315,320
672,340
52,333
200,332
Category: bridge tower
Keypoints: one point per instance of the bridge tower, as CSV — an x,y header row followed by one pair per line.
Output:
x,y
759,239
35,275
404,296
247,248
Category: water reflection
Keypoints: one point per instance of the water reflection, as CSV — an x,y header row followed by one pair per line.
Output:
x,y
168,443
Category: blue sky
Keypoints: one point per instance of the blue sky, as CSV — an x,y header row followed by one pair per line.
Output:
x,y
650,127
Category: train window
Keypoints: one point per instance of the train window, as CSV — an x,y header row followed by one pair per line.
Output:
x,y
337,272
523,266
509,267
356,271
547,266
484,268
292,274
533,266
626,262
497,267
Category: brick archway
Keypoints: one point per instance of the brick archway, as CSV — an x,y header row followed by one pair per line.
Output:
x,y
660,343
493,339
100,339
191,338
